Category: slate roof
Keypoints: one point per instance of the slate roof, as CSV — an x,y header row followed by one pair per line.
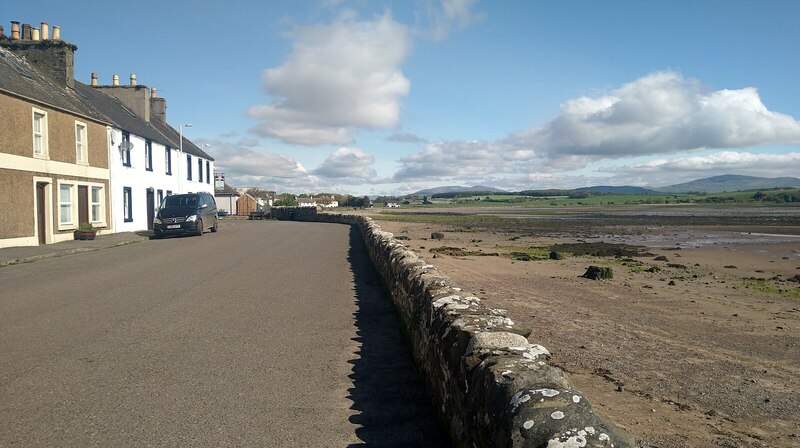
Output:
x,y
174,135
121,116
19,78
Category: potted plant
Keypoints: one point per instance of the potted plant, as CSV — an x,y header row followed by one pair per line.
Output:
x,y
85,231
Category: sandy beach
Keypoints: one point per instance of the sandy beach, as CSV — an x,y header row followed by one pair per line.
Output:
x,y
698,348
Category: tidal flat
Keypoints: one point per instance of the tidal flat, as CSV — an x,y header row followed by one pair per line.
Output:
x,y
695,341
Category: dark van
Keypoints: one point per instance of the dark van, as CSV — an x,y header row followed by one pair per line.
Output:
x,y
186,213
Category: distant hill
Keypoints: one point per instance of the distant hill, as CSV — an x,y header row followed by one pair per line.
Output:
x,y
730,182
458,189
623,189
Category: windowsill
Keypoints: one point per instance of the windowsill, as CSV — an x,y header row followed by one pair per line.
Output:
x,y
82,163
169,173
67,226
126,165
41,156
149,169
99,224
128,220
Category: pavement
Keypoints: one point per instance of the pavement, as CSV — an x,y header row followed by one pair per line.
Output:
x,y
26,254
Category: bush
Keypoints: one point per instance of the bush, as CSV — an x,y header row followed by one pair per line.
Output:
x,y
598,273
437,236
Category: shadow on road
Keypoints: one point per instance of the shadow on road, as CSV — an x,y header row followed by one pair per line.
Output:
x,y
394,409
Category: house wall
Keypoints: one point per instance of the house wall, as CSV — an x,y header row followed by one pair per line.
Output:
x,y
20,171
139,179
226,203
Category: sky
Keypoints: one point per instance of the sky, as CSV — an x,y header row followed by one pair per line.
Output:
x,y
390,97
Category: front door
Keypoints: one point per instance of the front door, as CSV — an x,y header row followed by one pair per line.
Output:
x,y
41,215
83,204
151,205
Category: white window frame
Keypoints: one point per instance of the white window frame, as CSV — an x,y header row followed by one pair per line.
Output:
x,y
100,204
43,134
81,143
73,209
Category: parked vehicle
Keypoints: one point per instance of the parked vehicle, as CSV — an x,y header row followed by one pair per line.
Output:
x,y
190,213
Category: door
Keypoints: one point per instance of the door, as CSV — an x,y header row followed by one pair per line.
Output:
x,y
41,216
151,206
83,204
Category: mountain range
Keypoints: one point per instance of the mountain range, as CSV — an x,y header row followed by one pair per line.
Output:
x,y
715,184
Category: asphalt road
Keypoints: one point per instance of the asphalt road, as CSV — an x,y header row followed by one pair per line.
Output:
x,y
263,334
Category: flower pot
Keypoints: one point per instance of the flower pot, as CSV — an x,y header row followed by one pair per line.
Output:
x,y
85,234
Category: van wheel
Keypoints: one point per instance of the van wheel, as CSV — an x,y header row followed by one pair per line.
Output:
x,y
199,227
214,227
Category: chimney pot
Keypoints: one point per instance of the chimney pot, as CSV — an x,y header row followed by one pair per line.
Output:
x,y
35,33
94,79
133,79
26,31
14,30
115,80
45,31
153,93
56,32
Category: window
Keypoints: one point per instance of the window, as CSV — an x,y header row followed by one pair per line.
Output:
x,y
126,153
188,167
168,160
39,133
160,197
97,205
199,170
169,192
148,155
81,153
208,172
127,204
65,204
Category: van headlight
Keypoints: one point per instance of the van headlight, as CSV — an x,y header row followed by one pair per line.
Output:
x,y
156,221
192,218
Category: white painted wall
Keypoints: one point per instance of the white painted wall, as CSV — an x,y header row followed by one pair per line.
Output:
x,y
139,179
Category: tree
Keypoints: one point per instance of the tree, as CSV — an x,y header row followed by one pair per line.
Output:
x,y
286,201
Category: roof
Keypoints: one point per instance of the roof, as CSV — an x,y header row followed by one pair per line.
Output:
x,y
20,78
121,116
174,135
226,190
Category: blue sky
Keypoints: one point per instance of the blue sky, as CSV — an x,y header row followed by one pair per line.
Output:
x,y
373,97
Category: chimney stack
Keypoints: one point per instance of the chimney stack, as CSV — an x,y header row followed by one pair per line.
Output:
x,y
56,59
56,32
133,79
94,79
45,31
115,81
158,107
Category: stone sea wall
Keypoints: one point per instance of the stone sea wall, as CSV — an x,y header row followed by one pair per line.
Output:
x,y
488,383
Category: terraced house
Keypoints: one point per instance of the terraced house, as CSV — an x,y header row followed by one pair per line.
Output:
x,y
53,144
72,153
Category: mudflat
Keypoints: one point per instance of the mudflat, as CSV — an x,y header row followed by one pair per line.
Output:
x,y
694,342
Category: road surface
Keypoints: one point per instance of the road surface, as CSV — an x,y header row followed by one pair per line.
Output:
x,y
263,334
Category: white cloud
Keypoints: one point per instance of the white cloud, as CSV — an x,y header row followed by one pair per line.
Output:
x,y
351,163
666,171
448,16
406,137
659,113
338,78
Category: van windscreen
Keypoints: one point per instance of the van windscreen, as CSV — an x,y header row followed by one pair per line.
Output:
x,y
180,202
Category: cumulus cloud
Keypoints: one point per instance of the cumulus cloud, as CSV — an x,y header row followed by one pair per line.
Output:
x,y
660,113
657,114
351,163
666,170
447,16
339,78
